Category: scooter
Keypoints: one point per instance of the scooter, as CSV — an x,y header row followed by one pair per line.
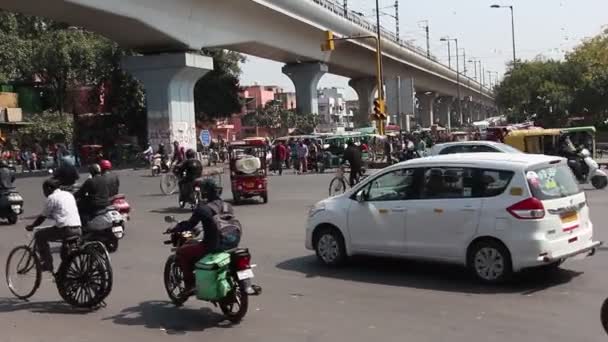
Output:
x,y
588,170
11,205
214,157
106,227
119,202
225,283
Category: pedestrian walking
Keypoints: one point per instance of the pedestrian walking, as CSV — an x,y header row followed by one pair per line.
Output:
x,y
302,152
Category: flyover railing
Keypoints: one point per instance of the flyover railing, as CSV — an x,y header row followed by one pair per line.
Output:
x,y
355,18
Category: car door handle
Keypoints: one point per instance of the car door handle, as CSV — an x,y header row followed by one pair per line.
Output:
x,y
399,210
468,209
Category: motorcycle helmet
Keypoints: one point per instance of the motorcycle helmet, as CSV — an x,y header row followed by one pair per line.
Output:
x,y
105,165
190,154
3,163
209,190
94,169
49,186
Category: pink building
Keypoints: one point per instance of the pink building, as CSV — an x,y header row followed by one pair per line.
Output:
x,y
258,96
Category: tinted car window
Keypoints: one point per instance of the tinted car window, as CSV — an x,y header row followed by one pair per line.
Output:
x,y
393,186
448,182
493,182
483,148
453,149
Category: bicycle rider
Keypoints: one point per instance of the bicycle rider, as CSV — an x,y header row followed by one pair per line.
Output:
x,y
353,156
60,206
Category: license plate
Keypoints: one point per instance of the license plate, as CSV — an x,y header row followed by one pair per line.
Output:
x,y
117,229
249,185
245,274
569,217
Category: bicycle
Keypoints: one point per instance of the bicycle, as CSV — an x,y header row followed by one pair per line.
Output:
x,y
84,278
339,184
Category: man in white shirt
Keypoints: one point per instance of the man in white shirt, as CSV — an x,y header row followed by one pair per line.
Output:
x,y
60,207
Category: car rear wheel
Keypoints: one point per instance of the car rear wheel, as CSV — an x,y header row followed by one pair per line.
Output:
x,y
599,182
329,246
490,262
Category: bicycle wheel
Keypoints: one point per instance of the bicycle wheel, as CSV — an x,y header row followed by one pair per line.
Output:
x,y
84,279
337,186
23,273
100,250
168,184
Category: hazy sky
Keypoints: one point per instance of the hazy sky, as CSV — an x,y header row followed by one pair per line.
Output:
x,y
543,27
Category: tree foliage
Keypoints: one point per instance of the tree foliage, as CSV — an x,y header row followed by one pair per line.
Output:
x,y
279,121
49,126
551,92
217,94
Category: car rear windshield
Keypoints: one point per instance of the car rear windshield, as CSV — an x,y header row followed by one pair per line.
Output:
x,y
555,181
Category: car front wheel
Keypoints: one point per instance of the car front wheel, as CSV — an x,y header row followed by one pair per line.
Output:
x,y
490,262
329,247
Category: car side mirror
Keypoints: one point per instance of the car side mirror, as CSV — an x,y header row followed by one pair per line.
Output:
x,y
361,196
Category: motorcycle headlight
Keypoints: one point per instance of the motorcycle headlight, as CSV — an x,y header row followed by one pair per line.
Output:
x,y
317,208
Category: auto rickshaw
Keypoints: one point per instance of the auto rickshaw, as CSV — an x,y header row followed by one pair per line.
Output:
x,y
535,141
582,136
248,169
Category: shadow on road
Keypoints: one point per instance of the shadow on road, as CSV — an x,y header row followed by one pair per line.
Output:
x,y
49,307
165,316
426,275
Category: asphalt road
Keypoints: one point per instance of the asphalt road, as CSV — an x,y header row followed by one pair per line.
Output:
x,y
372,299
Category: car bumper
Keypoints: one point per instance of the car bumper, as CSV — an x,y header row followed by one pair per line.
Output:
x,y
309,229
585,252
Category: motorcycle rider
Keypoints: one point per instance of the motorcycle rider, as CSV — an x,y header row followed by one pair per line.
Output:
x,y
66,174
60,207
204,213
569,151
191,169
111,178
93,196
7,177
178,153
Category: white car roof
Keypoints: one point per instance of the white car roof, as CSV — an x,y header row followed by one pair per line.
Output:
x,y
469,142
488,160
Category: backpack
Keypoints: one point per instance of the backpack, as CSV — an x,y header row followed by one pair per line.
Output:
x,y
229,227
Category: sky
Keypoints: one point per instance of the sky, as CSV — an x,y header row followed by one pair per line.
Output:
x,y
548,28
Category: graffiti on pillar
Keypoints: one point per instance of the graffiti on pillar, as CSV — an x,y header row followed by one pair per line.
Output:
x,y
162,130
159,131
184,133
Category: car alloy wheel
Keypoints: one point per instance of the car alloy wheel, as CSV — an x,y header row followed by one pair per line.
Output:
x,y
489,264
328,248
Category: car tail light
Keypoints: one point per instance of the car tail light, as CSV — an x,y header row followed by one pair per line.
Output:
x,y
243,262
529,209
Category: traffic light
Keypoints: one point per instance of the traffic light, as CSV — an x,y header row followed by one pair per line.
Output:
x,y
330,44
379,110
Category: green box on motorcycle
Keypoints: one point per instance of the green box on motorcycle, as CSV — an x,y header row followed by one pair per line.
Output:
x,y
212,277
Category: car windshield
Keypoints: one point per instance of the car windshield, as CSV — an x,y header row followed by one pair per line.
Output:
x,y
556,181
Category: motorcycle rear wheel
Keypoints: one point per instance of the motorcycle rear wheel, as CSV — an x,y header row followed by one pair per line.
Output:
x,y
236,304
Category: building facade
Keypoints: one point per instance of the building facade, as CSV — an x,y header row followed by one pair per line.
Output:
x,y
334,116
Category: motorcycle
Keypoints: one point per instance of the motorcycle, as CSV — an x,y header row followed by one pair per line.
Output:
x,y
234,287
588,170
157,165
106,227
223,154
11,206
213,157
119,202
195,196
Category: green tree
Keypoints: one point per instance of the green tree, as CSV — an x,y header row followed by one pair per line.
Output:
x,y
217,94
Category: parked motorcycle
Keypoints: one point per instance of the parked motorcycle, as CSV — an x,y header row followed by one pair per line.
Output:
x,y
106,227
11,206
588,170
223,279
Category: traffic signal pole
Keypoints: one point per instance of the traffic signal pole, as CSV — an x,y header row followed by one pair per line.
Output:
x,y
380,115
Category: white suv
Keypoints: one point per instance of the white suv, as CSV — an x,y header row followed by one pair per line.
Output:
x,y
496,213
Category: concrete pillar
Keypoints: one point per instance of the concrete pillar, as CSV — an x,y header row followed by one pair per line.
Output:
x,y
169,81
366,91
444,111
401,101
306,77
427,110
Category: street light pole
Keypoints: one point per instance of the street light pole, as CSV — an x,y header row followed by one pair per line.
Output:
x,y
427,30
512,29
397,20
447,39
345,8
